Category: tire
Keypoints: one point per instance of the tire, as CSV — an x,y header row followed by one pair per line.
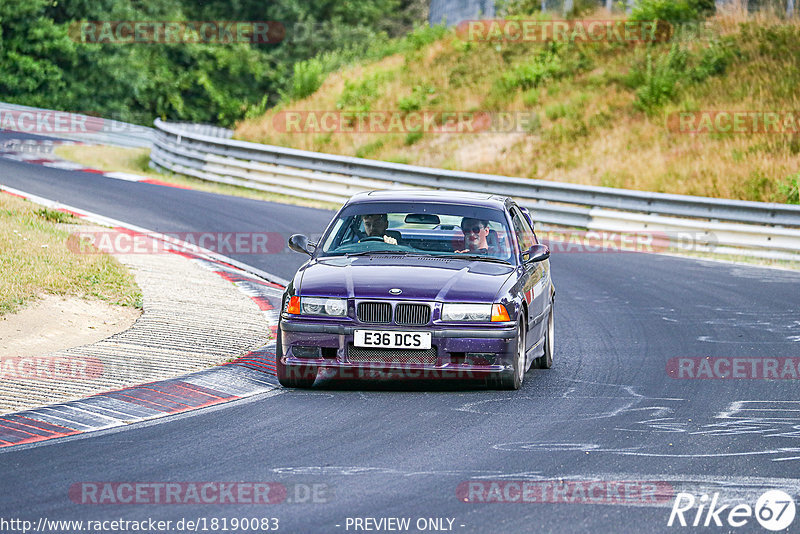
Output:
x,y
293,376
545,361
512,380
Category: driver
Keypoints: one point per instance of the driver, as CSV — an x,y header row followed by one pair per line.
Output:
x,y
476,233
375,225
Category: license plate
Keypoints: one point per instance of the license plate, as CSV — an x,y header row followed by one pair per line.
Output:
x,y
392,340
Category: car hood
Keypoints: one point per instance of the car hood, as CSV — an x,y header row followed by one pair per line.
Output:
x,y
427,278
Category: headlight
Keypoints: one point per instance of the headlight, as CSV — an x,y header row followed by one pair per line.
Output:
x,y
322,306
466,312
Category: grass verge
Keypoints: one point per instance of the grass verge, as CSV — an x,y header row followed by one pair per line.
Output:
x,y
34,259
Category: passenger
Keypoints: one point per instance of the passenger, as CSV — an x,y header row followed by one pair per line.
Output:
x,y
476,232
375,225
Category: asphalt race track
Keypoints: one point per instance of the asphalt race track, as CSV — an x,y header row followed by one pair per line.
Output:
x,y
607,411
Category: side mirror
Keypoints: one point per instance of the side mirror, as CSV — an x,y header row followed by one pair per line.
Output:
x,y
299,243
536,253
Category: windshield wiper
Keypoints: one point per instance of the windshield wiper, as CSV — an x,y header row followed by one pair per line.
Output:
x,y
370,252
479,257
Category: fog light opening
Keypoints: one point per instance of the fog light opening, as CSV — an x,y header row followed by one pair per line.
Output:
x,y
480,358
305,352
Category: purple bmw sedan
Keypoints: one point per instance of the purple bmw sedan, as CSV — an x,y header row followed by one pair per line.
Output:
x,y
420,285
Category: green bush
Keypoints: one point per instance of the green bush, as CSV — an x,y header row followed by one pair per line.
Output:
x,y
659,79
412,138
546,65
313,71
407,104
358,96
704,8
659,84
307,78
790,189
421,97
530,75
551,63
713,61
422,36
672,11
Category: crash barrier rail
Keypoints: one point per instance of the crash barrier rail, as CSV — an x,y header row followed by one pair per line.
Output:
x,y
704,224
74,126
205,129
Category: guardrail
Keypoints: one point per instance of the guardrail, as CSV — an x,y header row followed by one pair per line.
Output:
x,y
74,126
717,225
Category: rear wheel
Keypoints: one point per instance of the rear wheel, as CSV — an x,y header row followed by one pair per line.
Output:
x,y
293,376
545,361
512,379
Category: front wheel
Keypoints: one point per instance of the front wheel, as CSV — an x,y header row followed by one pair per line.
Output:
x,y
512,379
292,376
545,361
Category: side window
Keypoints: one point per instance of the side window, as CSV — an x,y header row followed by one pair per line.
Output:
x,y
523,230
527,224
336,237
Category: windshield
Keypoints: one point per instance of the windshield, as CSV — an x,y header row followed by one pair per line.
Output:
x,y
432,229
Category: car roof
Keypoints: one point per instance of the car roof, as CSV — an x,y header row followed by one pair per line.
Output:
x,y
424,195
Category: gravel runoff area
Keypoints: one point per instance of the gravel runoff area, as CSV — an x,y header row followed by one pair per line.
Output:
x,y
192,319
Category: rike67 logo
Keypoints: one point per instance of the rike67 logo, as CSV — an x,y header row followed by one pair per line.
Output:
x,y
774,510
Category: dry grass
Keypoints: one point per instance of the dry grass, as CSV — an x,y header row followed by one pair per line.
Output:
x,y
35,259
109,158
136,160
591,130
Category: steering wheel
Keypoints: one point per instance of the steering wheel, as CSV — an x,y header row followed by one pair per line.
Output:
x,y
371,238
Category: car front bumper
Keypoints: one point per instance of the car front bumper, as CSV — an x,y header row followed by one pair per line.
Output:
x,y
472,352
